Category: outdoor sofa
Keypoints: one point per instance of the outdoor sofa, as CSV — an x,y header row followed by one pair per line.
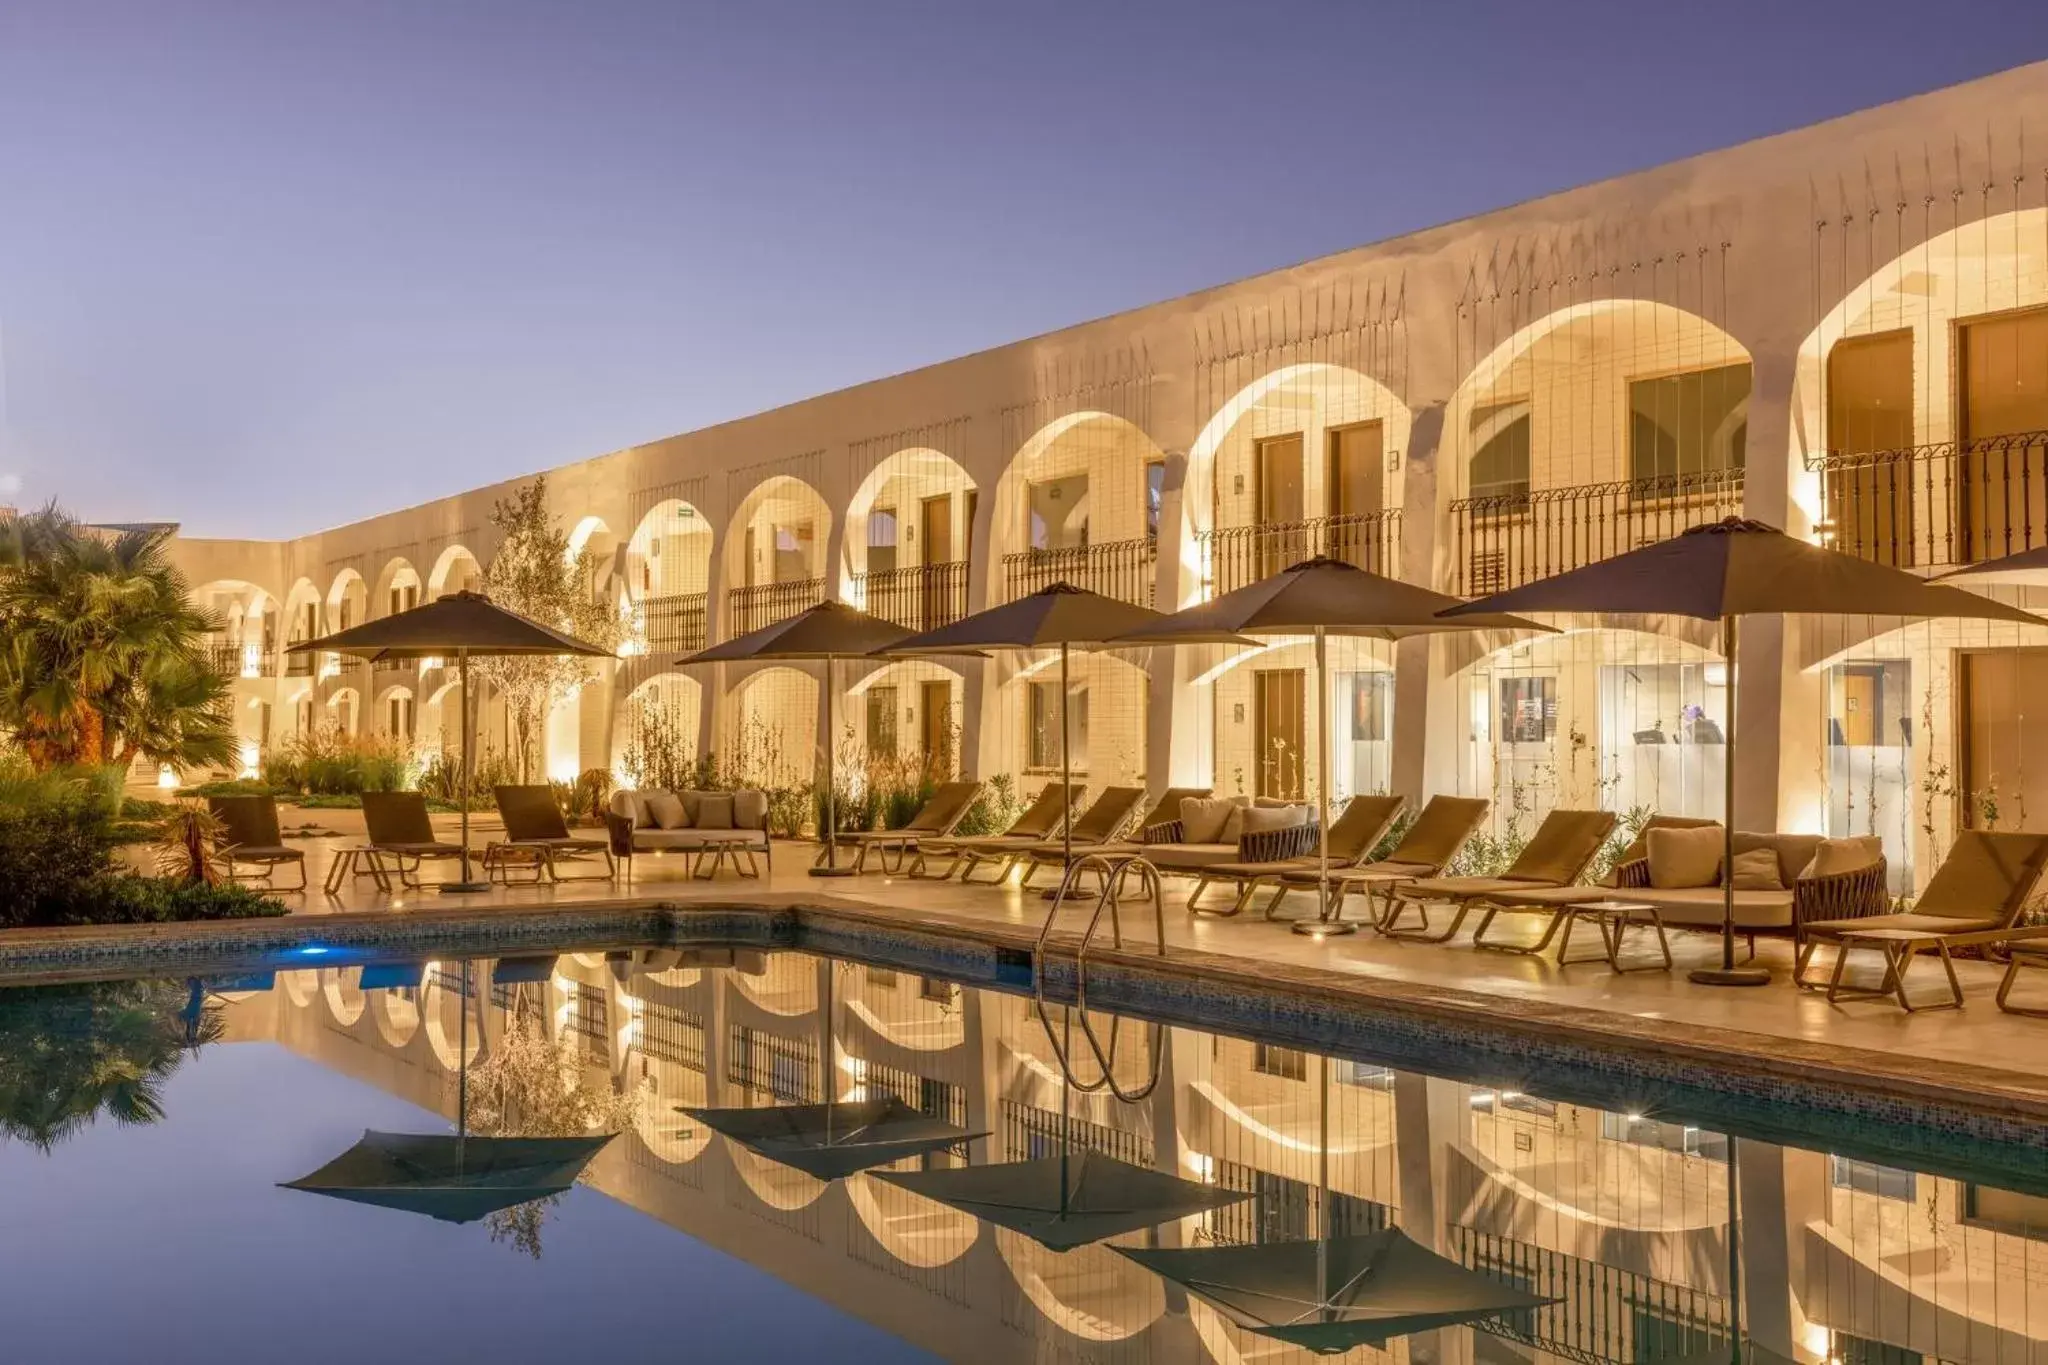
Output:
x,y
710,829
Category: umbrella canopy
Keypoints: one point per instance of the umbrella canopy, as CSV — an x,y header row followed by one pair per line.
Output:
x,y
1336,1295
1740,567
459,622
2025,567
454,1179
1060,614
1320,594
832,1141
830,630
1064,1202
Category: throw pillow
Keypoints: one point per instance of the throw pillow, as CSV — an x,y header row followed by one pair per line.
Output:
x,y
1259,819
665,809
1836,856
714,811
750,809
1684,857
1757,870
1202,818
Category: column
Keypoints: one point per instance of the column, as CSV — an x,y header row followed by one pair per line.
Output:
x,y
1410,771
1775,722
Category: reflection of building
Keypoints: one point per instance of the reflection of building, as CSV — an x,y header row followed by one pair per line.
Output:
x,y
1470,407
1623,1217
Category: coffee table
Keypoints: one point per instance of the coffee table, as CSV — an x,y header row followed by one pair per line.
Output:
x,y
1613,918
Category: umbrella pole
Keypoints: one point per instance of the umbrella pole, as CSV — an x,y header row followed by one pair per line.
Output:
x,y
468,882
1326,921
831,867
462,1068
1066,768
1728,974
1323,1185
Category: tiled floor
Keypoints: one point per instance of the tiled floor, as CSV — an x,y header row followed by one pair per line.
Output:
x,y
1979,1034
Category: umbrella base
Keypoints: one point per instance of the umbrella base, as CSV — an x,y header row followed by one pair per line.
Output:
x,y
831,872
1324,928
1730,976
462,888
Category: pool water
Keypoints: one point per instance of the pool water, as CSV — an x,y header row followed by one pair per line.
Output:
x,y
146,1130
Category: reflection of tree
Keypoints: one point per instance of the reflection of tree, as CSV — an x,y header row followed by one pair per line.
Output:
x,y
533,1085
71,1053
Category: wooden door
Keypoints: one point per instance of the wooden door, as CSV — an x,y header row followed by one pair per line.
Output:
x,y
1280,731
1855,707
1870,426
935,709
935,530
2003,726
2002,370
1354,485
1279,501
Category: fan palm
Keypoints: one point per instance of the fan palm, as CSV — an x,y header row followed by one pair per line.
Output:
x,y
104,655
71,1053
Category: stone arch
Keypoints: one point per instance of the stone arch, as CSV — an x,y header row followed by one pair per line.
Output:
x,y
890,564
398,588
777,534
456,567
343,990
347,601
441,1009
345,710
1079,501
1110,721
772,727
897,735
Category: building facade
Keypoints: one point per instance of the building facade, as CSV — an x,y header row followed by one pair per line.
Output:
x,y
1841,330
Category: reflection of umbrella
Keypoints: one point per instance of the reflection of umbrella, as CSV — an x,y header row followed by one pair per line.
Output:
x,y
832,1141
462,624
829,632
1320,597
450,1177
1730,569
1367,1290
1061,616
1064,1202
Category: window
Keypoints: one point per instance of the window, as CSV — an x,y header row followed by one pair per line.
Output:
x,y
1499,467
793,552
882,533
404,597
399,717
1867,1177
882,721
1284,1062
1155,496
1870,704
1057,513
1042,723
1528,710
1372,705
2009,1211
1688,424
1362,1075
2004,370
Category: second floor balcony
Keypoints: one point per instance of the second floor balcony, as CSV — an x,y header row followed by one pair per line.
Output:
x,y
676,623
1123,569
920,597
1937,506
1507,539
1234,556
766,603
298,665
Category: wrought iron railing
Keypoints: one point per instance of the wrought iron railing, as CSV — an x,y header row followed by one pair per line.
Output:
x,y
403,667
676,623
921,597
1123,569
1233,556
766,603
225,657
1509,539
1952,502
298,665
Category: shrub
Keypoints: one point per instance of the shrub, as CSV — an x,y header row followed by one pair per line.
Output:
x,y
995,810
326,761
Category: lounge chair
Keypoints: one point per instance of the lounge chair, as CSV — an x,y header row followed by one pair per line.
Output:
x,y
402,834
1630,873
537,837
1556,855
1354,834
251,838
1973,901
1040,820
1096,828
1439,834
936,819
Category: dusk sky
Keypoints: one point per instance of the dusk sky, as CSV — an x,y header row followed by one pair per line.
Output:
x,y
272,265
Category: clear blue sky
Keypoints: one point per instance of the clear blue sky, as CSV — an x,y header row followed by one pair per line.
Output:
x,y
272,265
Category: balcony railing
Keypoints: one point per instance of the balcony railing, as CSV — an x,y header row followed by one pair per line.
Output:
x,y
1123,569
766,603
1509,539
1233,556
921,597
225,657
1932,506
675,623
298,665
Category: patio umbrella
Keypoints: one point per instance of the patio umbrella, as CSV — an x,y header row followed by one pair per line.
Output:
x,y
1722,572
1329,1298
1320,597
462,624
1058,616
2027,567
829,631
450,1177
837,1139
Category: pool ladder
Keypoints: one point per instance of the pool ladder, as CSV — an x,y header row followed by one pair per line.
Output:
x,y
1114,875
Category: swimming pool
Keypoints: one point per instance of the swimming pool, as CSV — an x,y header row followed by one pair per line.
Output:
x,y
151,1126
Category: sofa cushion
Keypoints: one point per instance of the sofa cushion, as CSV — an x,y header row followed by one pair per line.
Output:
x,y
1835,856
750,809
1757,870
714,811
1700,906
665,810
1684,857
1794,851
630,805
1191,857
1260,819
1202,818
651,840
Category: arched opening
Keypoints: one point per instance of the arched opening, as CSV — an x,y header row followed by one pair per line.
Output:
x,y
1266,729
455,570
301,623
348,601
397,716
657,734
775,554
442,1003
668,574
899,735
1305,460
398,589
1107,702
910,529
771,729
342,988
344,710
1080,503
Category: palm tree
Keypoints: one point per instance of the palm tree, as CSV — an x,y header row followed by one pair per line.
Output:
x,y
104,656
69,1054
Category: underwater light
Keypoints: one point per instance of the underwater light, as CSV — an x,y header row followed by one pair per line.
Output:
x,y
311,950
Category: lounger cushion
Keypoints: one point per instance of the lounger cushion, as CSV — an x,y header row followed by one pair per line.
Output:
x,y
1932,924
1463,888
1562,846
1262,819
1685,857
1983,874
1202,819
714,811
1757,870
665,811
